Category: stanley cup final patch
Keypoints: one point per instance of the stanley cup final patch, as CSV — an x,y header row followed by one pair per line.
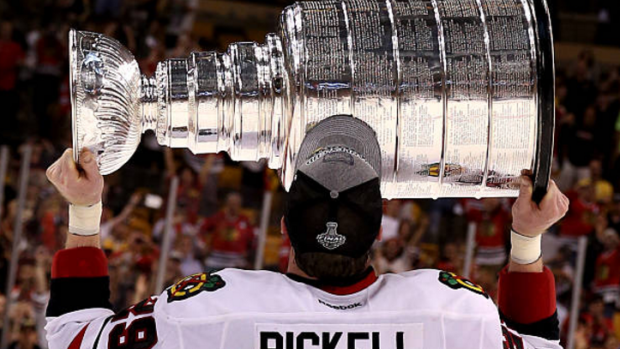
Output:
x,y
339,336
330,239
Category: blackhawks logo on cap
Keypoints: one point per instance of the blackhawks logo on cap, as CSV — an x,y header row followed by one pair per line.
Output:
x,y
193,285
456,282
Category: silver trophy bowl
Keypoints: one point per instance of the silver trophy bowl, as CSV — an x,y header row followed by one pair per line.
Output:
x,y
105,98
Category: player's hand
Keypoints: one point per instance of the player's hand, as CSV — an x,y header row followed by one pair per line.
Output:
x,y
80,186
530,219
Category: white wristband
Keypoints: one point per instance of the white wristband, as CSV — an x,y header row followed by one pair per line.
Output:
x,y
525,249
85,220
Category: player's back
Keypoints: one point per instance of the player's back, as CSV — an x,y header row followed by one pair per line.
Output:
x,y
264,310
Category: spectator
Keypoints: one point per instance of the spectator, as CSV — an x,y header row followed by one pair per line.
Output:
x,y
391,222
208,167
603,190
109,221
6,240
21,313
581,89
391,257
51,217
607,274
173,269
229,236
129,263
451,259
600,327
27,335
190,185
11,56
187,247
580,219
578,140
613,216
25,283
492,221
582,335
563,270
607,117
51,55
180,225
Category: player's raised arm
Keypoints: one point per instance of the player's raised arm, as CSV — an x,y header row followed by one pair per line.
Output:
x,y
527,288
79,312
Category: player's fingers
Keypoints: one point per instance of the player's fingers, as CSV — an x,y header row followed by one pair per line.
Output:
x,y
559,206
550,200
68,170
561,199
52,172
553,186
89,163
53,167
67,154
66,159
525,188
565,203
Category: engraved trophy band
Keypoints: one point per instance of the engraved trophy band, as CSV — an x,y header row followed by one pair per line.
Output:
x,y
460,93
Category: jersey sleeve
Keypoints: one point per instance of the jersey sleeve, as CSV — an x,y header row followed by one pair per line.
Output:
x,y
79,313
527,310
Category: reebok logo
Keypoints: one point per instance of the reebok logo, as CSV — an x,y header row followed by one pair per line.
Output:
x,y
341,307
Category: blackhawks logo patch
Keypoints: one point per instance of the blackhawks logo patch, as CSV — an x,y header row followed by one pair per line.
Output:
x,y
193,285
456,282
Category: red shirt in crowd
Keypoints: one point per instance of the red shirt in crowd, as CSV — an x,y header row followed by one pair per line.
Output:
x,y
10,56
50,55
607,270
448,266
188,197
229,235
49,234
580,217
491,227
600,329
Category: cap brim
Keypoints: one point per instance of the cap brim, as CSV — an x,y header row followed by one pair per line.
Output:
x,y
345,131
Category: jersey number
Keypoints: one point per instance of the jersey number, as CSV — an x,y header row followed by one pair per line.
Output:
x,y
511,340
140,333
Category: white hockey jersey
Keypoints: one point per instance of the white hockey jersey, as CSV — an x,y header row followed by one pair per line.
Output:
x,y
236,309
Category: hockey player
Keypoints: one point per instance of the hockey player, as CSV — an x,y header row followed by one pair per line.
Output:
x,y
331,297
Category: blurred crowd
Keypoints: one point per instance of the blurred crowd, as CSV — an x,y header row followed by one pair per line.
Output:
x,y
218,203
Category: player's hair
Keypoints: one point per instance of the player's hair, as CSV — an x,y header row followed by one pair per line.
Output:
x,y
331,267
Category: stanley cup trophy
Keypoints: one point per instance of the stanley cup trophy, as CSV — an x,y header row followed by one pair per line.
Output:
x,y
459,92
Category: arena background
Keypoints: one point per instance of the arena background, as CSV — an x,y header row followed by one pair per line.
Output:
x,y
219,203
